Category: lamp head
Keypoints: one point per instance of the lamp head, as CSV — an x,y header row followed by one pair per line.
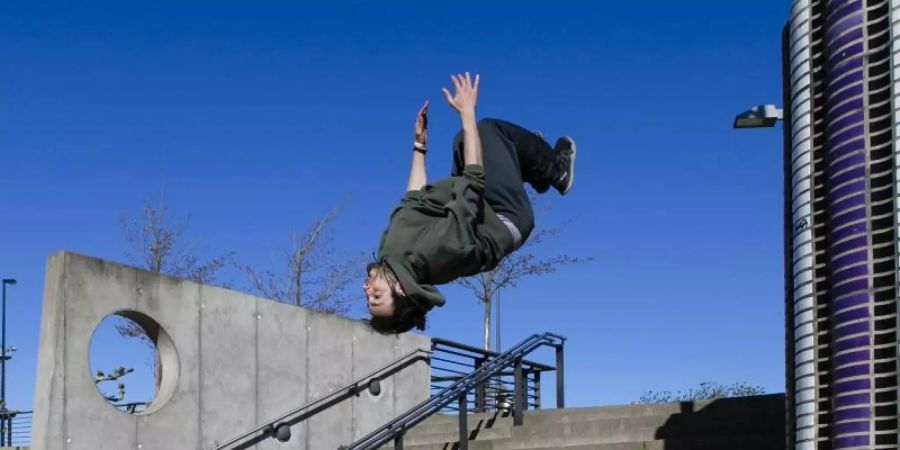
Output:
x,y
758,116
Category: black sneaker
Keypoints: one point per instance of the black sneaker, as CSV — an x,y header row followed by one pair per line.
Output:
x,y
565,146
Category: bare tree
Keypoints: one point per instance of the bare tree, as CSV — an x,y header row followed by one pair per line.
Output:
x,y
315,273
523,263
157,244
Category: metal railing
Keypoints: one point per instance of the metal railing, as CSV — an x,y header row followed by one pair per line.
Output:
x,y
131,407
280,427
451,361
15,428
458,392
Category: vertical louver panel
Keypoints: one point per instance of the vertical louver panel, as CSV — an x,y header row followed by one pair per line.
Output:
x,y
806,248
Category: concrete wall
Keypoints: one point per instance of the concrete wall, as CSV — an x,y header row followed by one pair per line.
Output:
x,y
230,361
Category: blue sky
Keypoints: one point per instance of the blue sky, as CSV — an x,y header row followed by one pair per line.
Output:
x,y
257,118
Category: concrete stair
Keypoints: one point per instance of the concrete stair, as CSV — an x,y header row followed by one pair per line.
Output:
x,y
747,423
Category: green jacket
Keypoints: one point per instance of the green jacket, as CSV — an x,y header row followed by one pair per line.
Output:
x,y
443,232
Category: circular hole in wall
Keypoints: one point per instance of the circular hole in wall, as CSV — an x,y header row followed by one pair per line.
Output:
x,y
133,362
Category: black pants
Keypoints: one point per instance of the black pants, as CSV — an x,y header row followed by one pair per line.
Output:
x,y
512,156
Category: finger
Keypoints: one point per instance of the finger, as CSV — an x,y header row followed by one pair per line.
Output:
x,y
468,80
447,95
456,82
477,79
424,108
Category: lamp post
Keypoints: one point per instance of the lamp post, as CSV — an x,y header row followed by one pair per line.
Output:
x,y
3,358
5,355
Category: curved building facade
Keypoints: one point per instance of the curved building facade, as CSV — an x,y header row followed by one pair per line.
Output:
x,y
842,80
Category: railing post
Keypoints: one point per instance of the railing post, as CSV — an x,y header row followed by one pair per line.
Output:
x,y
480,390
398,441
520,403
463,423
560,378
537,389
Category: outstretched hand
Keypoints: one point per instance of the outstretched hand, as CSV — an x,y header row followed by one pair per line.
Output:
x,y
466,96
421,127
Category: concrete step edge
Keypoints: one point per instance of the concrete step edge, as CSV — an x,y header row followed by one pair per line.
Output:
x,y
735,442
636,410
617,436
650,432
673,422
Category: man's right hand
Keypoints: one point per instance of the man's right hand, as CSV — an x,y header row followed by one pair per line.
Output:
x,y
464,103
466,96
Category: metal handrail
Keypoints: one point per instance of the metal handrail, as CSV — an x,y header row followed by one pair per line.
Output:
x,y
279,427
395,428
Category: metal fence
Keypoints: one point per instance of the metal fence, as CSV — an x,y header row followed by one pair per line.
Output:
x,y
15,428
450,361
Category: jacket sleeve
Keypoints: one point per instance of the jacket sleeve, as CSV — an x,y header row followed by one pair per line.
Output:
x,y
467,195
457,196
463,206
457,201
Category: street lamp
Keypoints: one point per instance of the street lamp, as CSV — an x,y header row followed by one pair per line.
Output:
x,y
758,117
10,282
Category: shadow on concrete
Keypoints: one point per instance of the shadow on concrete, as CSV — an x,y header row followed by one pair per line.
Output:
x,y
280,430
742,423
483,424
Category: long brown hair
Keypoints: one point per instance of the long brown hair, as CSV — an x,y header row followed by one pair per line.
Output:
x,y
407,312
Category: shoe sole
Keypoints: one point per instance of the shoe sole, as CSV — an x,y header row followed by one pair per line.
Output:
x,y
571,167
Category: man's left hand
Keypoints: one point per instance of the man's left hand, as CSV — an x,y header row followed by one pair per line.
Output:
x,y
421,127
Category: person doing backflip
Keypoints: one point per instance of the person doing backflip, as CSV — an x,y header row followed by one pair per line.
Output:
x,y
464,224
